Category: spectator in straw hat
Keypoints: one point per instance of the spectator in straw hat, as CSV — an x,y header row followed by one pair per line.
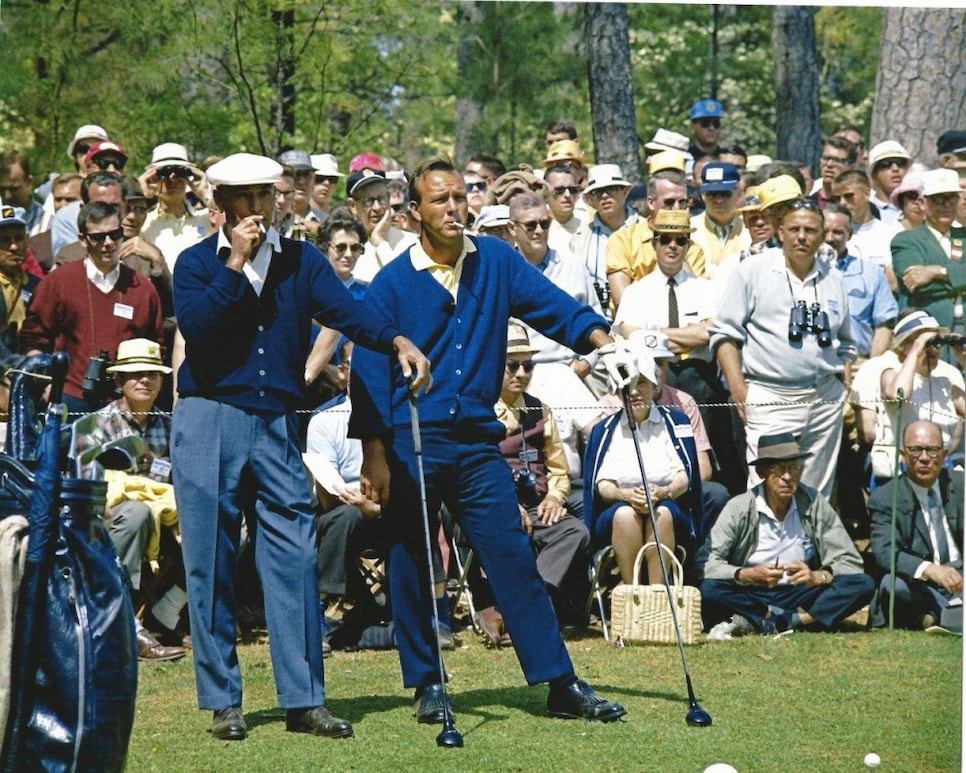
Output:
x,y
779,558
928,260
888,162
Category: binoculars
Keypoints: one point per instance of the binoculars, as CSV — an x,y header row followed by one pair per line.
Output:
x,y
809,319
97,383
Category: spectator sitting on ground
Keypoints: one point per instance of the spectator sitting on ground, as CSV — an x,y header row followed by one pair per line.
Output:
x,y
779,558
929,536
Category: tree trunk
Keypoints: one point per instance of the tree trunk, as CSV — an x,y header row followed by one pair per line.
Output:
x,y
468,108
799,136
922,69
283,81
611,88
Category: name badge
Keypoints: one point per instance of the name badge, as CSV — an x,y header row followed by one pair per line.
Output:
x,y
530,455
683,430
123,311
956,249
26,295
160,469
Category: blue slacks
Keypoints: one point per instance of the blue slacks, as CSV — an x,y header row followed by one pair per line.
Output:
x,y
475,483
227,462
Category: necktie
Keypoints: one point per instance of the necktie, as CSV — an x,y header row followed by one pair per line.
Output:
x,y
938,524
672,305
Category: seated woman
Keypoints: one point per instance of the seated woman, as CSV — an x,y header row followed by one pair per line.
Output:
x,y
615,502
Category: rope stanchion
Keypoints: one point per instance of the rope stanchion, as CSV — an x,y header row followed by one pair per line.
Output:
x,y
897,438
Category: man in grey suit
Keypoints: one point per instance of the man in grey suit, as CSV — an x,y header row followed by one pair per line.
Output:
x,y
929,536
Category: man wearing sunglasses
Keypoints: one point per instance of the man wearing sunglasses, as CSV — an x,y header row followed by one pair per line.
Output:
x,y
369,198
926,502
564,195
888,163
928,260
107,187
89,306
719,230
705,127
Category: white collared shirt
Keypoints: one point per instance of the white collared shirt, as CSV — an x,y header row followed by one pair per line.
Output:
x,y
103,282
779,541
256,269
933,521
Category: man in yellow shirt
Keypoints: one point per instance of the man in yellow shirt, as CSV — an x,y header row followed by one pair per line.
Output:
x,y
720,230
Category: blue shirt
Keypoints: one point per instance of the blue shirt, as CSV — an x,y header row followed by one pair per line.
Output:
x,y
249,350
871,302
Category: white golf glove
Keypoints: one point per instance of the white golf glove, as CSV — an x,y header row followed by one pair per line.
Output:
x,y
620,362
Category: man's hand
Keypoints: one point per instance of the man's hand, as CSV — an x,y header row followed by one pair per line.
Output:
x,y
739,396
381,232
410,357
525,520
767,575
143,249
915,277
799,574
580,367
374,478
367,507
620,362
550,510
945,577
246,237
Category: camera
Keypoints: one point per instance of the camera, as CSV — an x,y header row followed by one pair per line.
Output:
x,y
947,340
97,383
603,294
797,321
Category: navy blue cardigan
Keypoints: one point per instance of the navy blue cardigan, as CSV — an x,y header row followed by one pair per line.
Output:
x,y
465,340
248,350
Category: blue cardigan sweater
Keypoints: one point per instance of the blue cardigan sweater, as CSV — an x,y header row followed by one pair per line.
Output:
x,y
248,350
465,340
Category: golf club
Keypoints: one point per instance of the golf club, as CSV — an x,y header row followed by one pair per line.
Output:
x,y
696,716
449,736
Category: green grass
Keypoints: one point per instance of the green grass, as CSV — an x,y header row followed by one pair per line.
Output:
x,y
815,702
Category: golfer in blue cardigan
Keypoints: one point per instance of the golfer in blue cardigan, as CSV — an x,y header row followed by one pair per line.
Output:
x,y
453,296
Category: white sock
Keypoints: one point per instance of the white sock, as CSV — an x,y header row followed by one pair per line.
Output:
x,y
168,609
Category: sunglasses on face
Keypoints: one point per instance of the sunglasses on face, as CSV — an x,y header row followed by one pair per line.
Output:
x,y
106,163
886,163
99,238
573,190
285,194
340,249
945,199
9,239
512,366
709,123
319,179
675,203
477,186
680,241
611,190
531,225
806,204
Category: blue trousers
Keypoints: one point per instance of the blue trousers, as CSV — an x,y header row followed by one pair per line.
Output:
x,y
227,462
475,483
913,600
828,604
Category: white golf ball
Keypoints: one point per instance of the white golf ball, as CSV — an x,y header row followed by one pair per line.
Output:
x,y
720,767
872,760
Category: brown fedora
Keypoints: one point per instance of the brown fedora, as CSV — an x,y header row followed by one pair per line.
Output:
x,y
780,447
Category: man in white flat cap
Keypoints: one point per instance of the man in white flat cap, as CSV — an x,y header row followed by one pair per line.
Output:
x,y
245,298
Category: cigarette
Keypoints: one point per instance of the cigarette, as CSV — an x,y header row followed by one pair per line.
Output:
x,y
459,225
261,227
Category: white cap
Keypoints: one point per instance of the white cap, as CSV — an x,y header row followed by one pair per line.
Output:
x,y
326,164
664,139
87,132
244,169
169,154
493,216
604,176
939,181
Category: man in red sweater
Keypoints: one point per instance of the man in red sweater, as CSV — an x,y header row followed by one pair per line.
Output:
x,y
89,307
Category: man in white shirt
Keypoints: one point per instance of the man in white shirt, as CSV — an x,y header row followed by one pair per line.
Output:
x,y
369,198
871,237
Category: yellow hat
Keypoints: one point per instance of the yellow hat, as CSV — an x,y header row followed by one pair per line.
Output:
x,y
562,151
666,159
778,190
672,221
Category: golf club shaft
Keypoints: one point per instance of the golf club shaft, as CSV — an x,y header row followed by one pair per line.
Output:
x,y
657,539
418,451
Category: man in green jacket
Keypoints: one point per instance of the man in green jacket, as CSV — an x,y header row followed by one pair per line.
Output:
x,y
778,557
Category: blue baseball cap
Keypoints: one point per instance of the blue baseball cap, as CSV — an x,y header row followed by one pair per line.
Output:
x,y
719,176
706,108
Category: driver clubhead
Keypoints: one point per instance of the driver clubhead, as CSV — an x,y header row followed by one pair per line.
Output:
x,y
698,717
450,737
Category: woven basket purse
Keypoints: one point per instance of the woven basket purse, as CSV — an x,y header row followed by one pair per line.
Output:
x,y
640,614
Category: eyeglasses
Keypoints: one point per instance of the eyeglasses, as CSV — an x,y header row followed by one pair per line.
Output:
x,y
99,238
11,188
675,203
12,237
106,163
916,451
340,249
680,241
944,199
886,163
137,209
709,123
285,194
833,161
573,190
531,226
808,204
512,366
81,148
780,468
477,186
371,201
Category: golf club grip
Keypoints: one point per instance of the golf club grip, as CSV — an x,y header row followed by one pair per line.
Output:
x,y
59,363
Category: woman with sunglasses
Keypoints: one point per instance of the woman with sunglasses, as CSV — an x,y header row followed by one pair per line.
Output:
x,y
909,199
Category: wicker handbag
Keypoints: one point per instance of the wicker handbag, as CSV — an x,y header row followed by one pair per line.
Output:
x,y
640,614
